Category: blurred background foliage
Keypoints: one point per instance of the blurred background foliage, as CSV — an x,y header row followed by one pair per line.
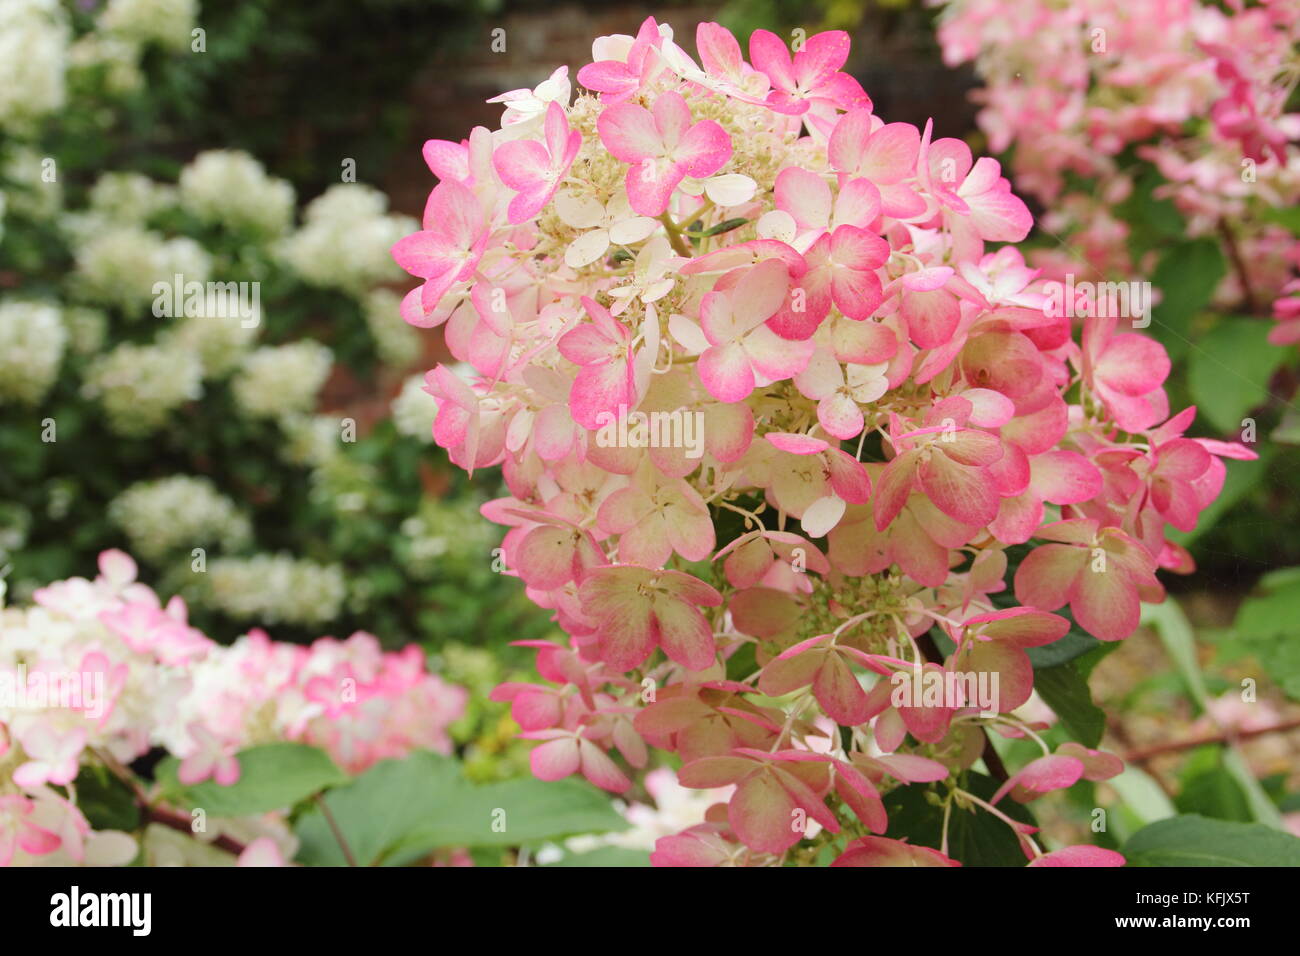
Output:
x,y
280,454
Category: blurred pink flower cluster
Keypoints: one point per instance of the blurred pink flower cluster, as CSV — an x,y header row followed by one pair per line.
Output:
x,y
770,408
100,672
1096,90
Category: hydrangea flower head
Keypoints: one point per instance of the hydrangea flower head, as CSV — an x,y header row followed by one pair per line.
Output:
x,y
772,403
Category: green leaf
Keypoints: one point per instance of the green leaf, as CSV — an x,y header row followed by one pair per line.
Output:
x,y
605,856
1197,841
376,810
1180,644
1153,222
1210,790
271,777
1142,795
1274,610
1065,690
725,226
1187,275
1074,644
106,801
1229,370
1088,660
975,836
530,811
743,662
400,810
1266,624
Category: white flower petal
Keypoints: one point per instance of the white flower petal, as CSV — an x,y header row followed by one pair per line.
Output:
x,y
777,224
587,248
822,515
578,210
731,189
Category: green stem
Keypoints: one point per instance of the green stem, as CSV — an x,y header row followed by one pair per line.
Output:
x,y
675,236
334,828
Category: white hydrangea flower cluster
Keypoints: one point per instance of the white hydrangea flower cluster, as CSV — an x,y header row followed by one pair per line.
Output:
x,y
37,51
140,385
176,514
86,327
130,197
115,58
232,189
166,23
311,440
117,265
220,342
276,588
33,195
278,380
414,410
32,341
33,50
345,239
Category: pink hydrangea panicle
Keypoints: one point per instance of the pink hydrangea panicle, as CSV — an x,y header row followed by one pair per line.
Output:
x,y
775,393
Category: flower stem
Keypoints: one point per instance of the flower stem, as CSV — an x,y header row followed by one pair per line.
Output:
x,y
334,828
675,236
